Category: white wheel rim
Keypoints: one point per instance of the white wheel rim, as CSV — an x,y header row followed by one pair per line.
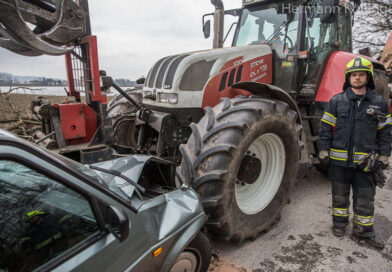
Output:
x,y
253,198
186,262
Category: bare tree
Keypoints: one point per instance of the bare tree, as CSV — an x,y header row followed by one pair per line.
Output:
x,y
372,25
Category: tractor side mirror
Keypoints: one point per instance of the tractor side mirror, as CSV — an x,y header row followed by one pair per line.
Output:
x,y
106,82
141,80
207,29
329,9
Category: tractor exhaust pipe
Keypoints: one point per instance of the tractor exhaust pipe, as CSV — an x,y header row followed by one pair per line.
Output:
x,y
219,16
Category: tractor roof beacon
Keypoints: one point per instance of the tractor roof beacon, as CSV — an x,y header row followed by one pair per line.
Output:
x,y
243,117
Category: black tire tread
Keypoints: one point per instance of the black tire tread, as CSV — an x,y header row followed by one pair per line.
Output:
x,y
122,112
238,114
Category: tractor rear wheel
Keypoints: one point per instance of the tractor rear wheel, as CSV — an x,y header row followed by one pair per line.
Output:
x,y
122,112
242,159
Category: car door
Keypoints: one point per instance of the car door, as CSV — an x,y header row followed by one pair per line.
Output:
x,y
56,215
43,221
52,220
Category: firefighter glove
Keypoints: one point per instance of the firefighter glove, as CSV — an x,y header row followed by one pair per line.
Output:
x,y
379,178
384,163
324,158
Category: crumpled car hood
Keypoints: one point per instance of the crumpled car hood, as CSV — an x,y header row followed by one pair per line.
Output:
x,y
130,167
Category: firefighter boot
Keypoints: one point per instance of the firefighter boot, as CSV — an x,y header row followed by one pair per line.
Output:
x,y
372,240
367,237
375,241
338,231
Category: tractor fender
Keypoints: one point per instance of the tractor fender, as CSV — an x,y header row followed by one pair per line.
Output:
x,y
273,92
269,91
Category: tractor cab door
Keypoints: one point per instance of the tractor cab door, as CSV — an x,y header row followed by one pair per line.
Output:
x,y
275,24
320,40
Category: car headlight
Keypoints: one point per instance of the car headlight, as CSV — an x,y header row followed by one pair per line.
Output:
x,y
170,98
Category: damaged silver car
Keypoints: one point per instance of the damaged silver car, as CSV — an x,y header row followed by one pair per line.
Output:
x,y
126,214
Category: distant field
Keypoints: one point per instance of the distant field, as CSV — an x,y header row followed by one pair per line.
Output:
x,y
21,102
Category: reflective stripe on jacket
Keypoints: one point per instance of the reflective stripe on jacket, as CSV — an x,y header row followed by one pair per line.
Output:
x,y
351,127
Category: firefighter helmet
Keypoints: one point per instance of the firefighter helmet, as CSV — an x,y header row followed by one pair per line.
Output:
x,y
360,64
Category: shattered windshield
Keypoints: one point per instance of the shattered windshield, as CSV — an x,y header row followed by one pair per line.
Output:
x,y
261,26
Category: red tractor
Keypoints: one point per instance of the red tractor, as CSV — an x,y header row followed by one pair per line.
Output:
x,y
241,119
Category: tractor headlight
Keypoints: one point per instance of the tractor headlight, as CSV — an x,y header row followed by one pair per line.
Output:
x,y
149,92
170,98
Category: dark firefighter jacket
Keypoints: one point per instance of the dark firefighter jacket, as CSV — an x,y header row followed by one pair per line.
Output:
x,y
350,130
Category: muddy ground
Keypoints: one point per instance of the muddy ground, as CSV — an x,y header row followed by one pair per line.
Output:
x,y
301,240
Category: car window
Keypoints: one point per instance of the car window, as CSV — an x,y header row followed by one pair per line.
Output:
x,y
40,218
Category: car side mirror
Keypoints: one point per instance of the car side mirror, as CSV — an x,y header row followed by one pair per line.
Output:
x,y
117,223
207,29
328,11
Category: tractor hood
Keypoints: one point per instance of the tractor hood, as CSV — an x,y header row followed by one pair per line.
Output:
x,y
179,81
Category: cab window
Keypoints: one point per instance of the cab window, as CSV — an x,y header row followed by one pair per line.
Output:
x,y
40,219
344,30
320,39
258,26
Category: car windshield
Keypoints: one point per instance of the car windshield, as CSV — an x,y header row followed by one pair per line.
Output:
x,y
261,26
115,186
84,169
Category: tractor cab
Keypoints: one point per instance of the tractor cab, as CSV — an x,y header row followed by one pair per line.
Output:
x,y
302,36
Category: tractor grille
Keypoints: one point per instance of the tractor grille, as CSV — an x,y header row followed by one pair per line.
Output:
x,y
162,73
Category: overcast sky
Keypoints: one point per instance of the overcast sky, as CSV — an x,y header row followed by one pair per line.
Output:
x,y
132,35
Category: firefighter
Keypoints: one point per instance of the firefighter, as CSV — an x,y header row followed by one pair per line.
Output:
x,y
44,236
356,123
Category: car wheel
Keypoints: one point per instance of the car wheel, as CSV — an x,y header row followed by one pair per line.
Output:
x,y
196,256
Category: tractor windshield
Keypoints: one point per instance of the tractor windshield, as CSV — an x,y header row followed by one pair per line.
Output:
x,y
261,26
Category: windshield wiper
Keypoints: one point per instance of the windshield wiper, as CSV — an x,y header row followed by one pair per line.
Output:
x,y
138,187
275,35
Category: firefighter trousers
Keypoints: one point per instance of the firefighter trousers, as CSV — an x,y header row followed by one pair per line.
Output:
x,y
363,199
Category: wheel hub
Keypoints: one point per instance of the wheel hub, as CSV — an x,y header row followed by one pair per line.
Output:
x,y
186,262
260,173
250,169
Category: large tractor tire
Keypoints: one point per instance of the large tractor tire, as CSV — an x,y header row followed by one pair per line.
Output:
x,y
122,112
242,159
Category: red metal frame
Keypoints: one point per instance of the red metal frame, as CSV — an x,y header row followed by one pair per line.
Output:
x,y
94,66
78,122
70,77
83,70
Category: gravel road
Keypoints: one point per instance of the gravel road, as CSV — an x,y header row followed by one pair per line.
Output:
x,y
302,239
